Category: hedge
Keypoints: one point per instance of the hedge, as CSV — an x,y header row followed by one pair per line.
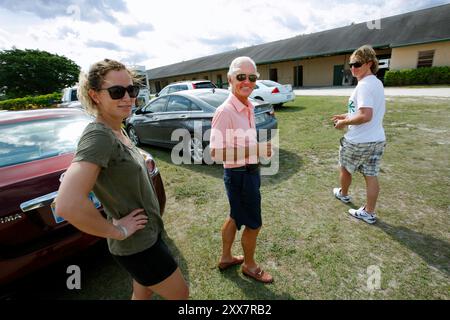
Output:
x,y
405,77
45,101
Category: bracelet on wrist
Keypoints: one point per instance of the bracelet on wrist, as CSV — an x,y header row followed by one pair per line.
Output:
x,y
123,231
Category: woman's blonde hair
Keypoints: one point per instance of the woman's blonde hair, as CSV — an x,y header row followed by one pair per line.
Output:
x,y
366,54
94,80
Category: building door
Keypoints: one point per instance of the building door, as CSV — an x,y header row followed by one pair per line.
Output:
x,y
298,76
338,75
273,75
219,82
157,86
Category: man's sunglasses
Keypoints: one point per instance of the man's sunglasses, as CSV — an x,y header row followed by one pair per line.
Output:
x,y
355,64
242,77
118,92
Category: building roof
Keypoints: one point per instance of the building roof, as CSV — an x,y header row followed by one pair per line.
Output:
x,y
417,27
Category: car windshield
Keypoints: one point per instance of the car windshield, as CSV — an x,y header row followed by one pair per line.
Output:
x,y
74,95
218,97
204,85
214,99
39,139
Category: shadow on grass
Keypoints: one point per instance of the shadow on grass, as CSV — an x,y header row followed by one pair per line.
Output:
x,y
253,289
178,256
435,252
101,278
351,205
288,109
289,164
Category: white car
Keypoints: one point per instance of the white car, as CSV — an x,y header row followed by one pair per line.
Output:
x,y
186,85
69,98
273,92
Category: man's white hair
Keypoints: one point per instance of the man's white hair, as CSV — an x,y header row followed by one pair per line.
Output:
x,y
235,65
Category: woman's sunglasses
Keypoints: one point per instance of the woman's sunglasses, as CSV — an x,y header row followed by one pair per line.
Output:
x,y
355,64
118,92
251,77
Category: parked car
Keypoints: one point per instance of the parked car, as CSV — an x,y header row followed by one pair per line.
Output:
x,y
273,92
36,149
69,98
186,85
155,122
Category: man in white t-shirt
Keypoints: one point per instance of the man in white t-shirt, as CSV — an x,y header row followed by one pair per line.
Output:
x,y
362,147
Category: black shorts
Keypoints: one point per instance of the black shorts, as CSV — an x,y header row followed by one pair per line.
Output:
x,y
151,266
242,185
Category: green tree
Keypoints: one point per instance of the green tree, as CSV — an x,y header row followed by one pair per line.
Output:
x,y
34,72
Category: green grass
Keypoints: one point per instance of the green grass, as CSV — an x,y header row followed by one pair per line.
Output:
x,y
314,249
308,242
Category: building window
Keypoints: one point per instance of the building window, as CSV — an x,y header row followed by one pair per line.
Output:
x,y
425,59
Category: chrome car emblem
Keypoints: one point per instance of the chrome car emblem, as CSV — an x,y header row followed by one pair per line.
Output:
x,y
11,218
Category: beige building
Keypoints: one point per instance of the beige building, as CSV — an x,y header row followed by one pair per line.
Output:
x,y
411,40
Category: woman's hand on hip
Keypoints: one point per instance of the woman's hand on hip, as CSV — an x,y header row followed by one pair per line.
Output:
x,y
134,221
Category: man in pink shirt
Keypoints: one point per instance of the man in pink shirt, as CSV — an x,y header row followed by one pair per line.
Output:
x,y
234,141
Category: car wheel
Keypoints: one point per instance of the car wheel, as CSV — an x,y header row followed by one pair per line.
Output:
x,y
133,136
196,149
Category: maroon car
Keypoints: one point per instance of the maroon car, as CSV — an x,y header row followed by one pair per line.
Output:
x,y
36,147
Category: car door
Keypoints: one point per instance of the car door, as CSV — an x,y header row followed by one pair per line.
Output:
x,y
148,125
177,116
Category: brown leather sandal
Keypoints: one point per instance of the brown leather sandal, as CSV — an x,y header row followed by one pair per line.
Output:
x,y
259,275
225,265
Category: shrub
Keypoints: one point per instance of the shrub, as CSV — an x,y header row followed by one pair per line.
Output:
x,y
405,77
29,102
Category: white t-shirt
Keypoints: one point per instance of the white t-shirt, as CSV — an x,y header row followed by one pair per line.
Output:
x,y
368,93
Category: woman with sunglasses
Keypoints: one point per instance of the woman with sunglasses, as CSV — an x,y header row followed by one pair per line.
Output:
x,y
362,147
107,163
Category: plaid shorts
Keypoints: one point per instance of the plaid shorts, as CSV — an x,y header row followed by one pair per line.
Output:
x,y
362,157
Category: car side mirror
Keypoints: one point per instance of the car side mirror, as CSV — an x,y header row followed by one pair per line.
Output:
x,y
138,111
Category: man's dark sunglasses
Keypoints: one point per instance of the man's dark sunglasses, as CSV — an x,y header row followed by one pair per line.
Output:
x,y
118,92
242,77
355,64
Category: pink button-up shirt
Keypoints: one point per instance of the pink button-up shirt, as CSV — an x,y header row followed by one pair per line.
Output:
x,y
233,125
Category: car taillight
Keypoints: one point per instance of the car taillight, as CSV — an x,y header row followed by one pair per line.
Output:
x,y
275,90
272,113
150,165
193,86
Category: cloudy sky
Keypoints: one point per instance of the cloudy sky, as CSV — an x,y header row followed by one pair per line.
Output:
x,y
157,33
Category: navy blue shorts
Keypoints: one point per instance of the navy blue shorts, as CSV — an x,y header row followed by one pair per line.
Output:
x,y
151,266
242,187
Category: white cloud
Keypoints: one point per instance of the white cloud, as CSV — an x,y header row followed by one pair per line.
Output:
x,y
103,45
134,30
5,42
156,33
85,10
